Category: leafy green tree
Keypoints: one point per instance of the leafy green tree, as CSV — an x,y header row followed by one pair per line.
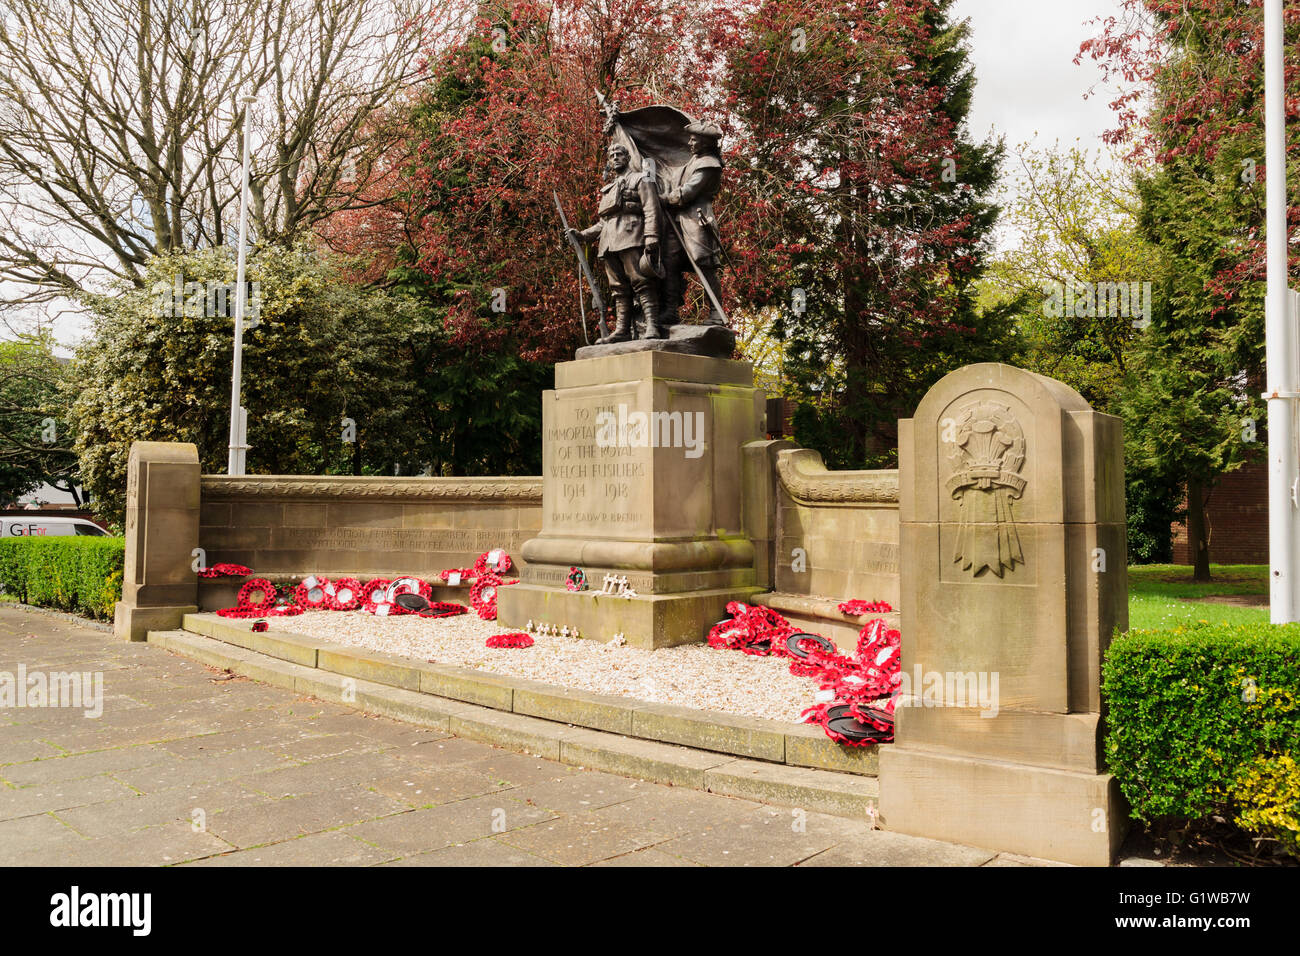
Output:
x,y
35,443
1191,395
317,350
861,207
1077,244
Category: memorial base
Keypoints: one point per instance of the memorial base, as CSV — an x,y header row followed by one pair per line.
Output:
x,y
646,620
1051,814
642,485
132,623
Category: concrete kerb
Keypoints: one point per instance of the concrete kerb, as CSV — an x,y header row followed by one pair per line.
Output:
x,y
796,745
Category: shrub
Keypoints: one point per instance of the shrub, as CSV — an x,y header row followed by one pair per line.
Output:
x,y
82,575
1205,720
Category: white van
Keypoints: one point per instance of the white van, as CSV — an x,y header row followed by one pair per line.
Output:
x,y
45,526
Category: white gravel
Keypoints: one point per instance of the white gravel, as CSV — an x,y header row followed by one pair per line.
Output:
x,y
693,675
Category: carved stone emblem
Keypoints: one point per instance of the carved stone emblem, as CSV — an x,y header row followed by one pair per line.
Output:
x,y
987,451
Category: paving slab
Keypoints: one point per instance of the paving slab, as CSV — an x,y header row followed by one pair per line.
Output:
x,y
281,777
317,849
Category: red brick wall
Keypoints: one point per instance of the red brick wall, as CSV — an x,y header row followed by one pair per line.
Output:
x,y
1238,517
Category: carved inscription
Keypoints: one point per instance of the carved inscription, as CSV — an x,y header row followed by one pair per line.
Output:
x,y
588,484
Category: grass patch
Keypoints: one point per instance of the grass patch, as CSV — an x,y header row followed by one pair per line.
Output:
x,y
1158,595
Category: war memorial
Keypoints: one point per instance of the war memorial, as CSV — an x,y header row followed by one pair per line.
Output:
x,y
988,545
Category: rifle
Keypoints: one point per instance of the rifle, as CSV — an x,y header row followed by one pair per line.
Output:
x,y
597,302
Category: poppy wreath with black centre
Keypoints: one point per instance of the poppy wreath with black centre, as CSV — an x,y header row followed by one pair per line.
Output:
x,y
444,609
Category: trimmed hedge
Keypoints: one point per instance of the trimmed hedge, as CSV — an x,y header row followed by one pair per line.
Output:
x,y
82,575
1205,720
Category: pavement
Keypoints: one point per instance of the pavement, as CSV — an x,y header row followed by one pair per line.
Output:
x,y
187,766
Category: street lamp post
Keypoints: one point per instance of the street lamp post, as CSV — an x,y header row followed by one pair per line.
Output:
x,y
1281,341
238,416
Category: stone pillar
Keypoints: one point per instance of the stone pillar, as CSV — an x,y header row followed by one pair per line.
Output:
x,y
1014,577
642,481
159,585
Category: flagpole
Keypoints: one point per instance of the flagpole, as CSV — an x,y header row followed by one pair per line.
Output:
x,y
1280,339
238,419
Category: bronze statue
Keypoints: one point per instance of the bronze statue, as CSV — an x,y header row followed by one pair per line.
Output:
x,y
628,231
691,205
656,223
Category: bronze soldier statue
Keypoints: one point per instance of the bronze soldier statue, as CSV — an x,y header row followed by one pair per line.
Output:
x,y
691,206
628,231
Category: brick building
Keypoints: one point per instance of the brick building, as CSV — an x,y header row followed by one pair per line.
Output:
x,y
1238,519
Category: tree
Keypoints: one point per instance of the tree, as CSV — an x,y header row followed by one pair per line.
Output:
x,y
121,124
467,224
1191,396
34,438
861,210
318,350
1082,278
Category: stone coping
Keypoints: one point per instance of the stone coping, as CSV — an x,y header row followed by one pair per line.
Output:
x,y
770,741
806,605
420,490
807,480
819,791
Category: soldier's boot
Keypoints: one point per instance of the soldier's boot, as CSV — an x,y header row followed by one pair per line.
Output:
x,y
671,300
650,308
711,277
622,331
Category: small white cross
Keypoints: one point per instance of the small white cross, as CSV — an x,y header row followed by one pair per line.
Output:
x,y
629,593
529,625
564,631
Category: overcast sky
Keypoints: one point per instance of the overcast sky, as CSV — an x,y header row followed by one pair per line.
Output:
x,y
1028,85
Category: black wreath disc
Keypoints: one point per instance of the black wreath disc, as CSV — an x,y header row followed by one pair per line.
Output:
x,y
852,728
411,602
792,645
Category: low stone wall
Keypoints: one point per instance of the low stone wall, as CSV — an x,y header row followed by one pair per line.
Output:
x,y
833,537
286,527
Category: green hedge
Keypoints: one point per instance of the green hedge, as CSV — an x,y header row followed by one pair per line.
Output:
x,y
82,575
1205,720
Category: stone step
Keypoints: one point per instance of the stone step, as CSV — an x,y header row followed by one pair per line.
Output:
x,y
798,745
821,791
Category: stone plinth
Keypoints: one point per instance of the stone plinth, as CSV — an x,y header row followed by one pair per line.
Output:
x,y
159,585
642,480
1012,540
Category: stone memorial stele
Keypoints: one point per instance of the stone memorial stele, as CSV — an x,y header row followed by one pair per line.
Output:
x,y
1013,580
159,585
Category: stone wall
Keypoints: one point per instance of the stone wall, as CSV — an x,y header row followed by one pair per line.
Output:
x,y
286,527
833,536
